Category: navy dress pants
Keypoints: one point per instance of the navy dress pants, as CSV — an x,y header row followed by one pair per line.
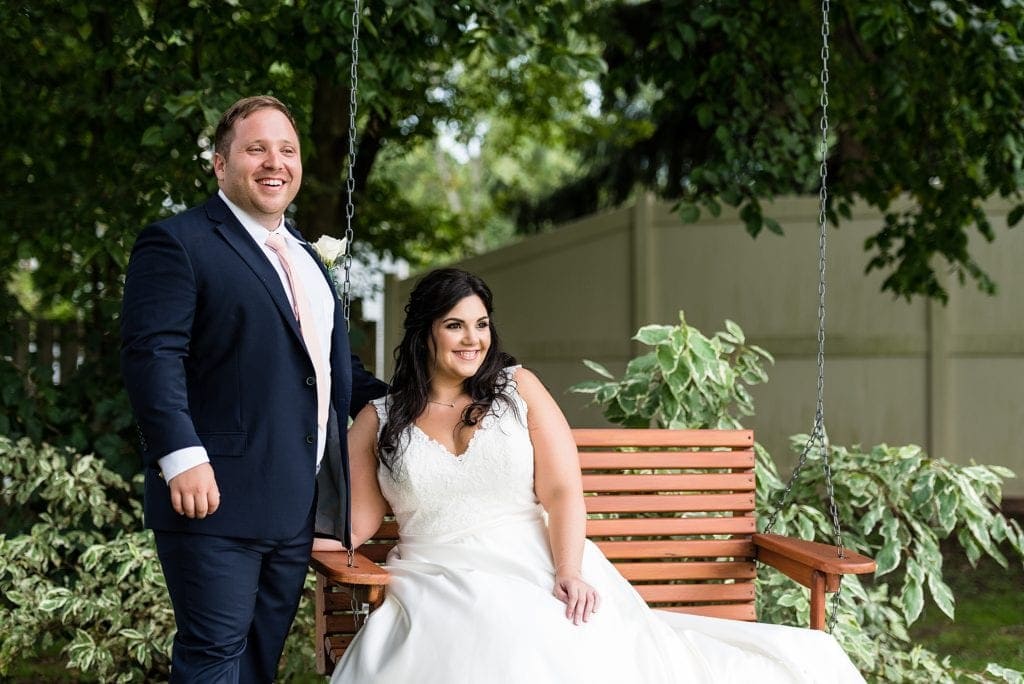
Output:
x,y
234,601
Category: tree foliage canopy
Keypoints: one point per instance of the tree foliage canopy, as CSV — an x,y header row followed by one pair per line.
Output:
x,y
712,102
571,105
109,108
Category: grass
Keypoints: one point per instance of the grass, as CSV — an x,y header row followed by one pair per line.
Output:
x,y
989,624
47,668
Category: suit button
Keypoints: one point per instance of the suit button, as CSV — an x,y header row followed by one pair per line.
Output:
x,y
309,439
311,381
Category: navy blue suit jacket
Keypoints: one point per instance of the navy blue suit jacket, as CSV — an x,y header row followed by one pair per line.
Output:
x,y
212,355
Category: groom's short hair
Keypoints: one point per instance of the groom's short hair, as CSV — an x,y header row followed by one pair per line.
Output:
x,y
225,132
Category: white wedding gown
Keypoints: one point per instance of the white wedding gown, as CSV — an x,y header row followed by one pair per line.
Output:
x,y
470,600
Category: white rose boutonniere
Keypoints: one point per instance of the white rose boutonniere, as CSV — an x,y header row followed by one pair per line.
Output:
x,y
331,250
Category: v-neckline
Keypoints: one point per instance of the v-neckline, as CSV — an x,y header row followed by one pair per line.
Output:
x,y
446,450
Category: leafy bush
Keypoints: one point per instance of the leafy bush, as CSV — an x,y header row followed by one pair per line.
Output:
x,y
84,579
687,379
898,503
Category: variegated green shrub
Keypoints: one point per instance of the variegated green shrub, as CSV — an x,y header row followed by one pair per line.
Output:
x,y
82,578
897,504
686,379
79,576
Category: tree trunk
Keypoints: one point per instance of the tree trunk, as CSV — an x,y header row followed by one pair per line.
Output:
x,y
322,200
322,173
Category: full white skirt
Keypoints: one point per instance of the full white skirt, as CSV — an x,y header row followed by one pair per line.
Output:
x,y
478,608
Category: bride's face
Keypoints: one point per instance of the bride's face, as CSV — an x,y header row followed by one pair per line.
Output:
x,y
459,340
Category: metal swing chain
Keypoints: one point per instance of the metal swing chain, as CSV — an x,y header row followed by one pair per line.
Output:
x,y
350,181
350,187
818,435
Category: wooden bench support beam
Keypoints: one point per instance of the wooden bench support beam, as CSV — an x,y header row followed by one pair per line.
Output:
x,y
818,600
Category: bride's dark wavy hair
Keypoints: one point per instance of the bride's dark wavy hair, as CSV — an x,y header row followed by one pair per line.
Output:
x,y
435,295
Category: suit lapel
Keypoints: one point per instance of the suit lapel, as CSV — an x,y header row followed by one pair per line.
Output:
x,y
232,231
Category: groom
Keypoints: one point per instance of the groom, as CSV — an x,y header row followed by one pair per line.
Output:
x,y
236,357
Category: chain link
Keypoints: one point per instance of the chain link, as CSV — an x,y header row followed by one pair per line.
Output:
x,y
360,611
350,182
818,436
350,207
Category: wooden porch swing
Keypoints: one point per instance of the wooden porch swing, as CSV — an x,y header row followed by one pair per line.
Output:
x,y
674,510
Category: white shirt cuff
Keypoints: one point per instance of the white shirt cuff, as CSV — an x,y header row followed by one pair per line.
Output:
x,y
177,462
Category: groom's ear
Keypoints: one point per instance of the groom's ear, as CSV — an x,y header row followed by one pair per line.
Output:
x,y
218,165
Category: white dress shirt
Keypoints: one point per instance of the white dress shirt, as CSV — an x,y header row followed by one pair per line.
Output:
x,y
321,303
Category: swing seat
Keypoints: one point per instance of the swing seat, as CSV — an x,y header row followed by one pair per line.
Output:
x,y
674,511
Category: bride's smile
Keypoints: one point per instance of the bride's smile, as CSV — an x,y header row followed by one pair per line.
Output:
x,y
459,341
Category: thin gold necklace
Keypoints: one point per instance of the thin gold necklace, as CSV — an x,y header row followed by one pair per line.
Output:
x,y
441,403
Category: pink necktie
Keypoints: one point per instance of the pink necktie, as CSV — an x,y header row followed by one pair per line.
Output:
x,y
307,324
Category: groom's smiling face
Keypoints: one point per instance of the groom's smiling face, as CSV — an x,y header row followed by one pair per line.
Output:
x,y
262,171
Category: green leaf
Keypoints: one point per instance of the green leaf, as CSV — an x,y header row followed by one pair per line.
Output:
x,y
1015,215
642,365
654,334
688,212
772,225
587,387
702,348
871,518
751,216
153,136
705,115
735,331
912,600
923,489
687,32
669,406
606,394
675,47
888,558
667,360
713,207
598,368
613,412
790,599
947,501
941,593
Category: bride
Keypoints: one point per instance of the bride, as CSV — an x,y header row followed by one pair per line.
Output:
x,y
493,579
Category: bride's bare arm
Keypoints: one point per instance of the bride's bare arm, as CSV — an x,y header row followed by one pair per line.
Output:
x,y
368,504
559,488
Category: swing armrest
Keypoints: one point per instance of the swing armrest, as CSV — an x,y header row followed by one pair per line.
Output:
x,y
816,566
800,560
344,596
333,565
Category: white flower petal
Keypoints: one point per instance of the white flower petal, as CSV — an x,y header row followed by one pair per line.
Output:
x,y
329,248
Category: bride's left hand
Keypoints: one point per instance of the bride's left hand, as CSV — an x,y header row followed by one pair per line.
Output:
x,y
580,599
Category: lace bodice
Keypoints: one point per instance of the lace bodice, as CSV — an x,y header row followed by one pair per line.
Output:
x,y
434,493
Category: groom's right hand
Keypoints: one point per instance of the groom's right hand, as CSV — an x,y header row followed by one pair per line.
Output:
x,y
194,492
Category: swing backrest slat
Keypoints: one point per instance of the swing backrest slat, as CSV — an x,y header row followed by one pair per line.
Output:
x,y
674,511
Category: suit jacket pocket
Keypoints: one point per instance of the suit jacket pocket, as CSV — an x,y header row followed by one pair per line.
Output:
x,y
223,443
